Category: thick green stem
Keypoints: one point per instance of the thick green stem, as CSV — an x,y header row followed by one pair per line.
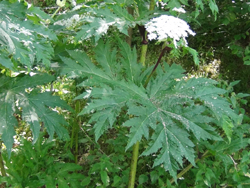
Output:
x,y
133,166
143,54
136,146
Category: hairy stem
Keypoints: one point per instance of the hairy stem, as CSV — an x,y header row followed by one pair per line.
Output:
x,y
144,52
144,47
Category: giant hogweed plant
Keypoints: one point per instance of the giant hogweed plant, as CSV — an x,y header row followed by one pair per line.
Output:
x,y
171,113
29,38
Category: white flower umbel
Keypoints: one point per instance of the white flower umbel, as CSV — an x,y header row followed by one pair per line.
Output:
x,y
168,26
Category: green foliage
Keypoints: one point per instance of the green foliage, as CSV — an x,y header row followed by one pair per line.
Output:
x,y
24,36
180,122
94,21
19,95
36,166
106,164
225,40
176,110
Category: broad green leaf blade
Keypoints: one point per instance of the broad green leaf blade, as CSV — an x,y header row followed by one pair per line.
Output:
x,y
105,111
174,144
165,81
204,90
97,21
11,89
227,126
29,114
173,3
22,35
140,125
185,2
177,112
31,81
96,27
104,178
213,7
138,129
85,181
195,54
143,179
129,61
62,182
122,13
5,61
7,119
86,68
106,58
34,105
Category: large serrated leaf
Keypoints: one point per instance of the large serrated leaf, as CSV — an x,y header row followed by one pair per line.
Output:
x,y
33,105
171,112
22,38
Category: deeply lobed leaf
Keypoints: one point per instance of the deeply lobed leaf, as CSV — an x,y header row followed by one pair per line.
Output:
x,y
23,37
176,111
34,107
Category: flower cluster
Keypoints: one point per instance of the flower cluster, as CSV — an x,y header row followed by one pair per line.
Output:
x,y
168,26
